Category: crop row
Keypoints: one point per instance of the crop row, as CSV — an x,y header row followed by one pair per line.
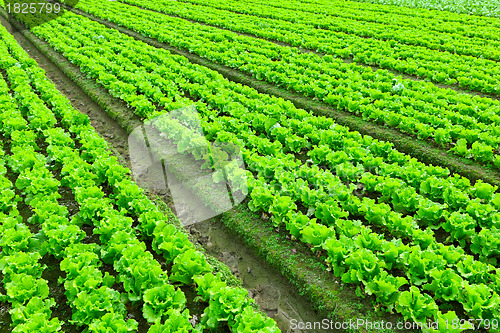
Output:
x,y
451,191
39,191
479,9
141,275
95,304
280,197
471,70
362,12
27,292
326,146
412,107
120,59
420,36
436,15
358,261
437,66
283,185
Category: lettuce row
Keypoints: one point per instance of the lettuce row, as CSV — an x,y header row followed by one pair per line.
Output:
x,y
482,190
430,21
128,255
439,66
26,290
331,194
423,217
403,198
188,264
481,9
87,290
327,136
388,101
345,22
416,262
71,119
285,207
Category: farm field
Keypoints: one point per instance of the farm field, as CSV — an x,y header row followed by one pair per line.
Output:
x,y
342,159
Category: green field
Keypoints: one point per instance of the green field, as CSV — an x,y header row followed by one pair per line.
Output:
x,y
367,190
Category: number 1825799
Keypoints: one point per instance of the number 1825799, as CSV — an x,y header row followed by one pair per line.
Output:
x,y
33,8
